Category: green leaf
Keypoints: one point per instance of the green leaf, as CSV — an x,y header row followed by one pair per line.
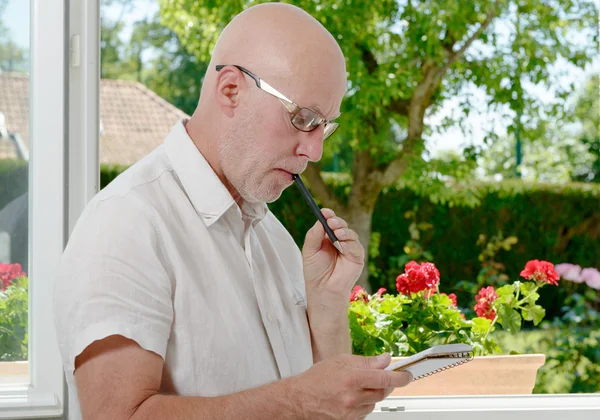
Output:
x,y
481,325
506,295
390,306
507,290
527,287
534,313
401,343
509,319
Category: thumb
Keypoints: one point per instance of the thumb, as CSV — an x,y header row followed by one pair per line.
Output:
x,y
379,362
375,362
313,239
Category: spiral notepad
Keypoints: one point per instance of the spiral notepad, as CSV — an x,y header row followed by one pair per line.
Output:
x,y
434,360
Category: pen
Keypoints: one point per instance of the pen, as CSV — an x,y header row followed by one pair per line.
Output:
x,y
317,212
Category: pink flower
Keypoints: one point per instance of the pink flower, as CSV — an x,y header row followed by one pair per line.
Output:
x,y
417,278
570,272
540,271
381,291
358,293
484,299
591,276
9,272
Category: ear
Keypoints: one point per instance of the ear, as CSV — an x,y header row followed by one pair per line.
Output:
x,y
229,86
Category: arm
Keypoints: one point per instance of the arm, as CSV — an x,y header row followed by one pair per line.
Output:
x,y
329,329
117,379
329,276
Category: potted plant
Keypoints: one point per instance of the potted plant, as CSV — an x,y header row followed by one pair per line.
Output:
x,y
13,323
421,316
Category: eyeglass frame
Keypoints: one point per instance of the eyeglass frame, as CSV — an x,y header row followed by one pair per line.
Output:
x,y
291,106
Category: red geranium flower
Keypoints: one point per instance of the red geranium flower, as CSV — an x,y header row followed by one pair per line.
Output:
x,y
417,278
9,272
484,300
358,293
540,271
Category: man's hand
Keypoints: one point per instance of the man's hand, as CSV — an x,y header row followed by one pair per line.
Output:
x,y
329,274
345,387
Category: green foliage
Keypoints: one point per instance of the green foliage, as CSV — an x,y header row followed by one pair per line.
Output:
x,y
14,178
390,45
407,324
14,321
557,223
559,150
572,345
154,56
492,272
587,111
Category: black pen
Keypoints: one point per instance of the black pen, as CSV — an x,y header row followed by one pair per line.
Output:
x,y
317,212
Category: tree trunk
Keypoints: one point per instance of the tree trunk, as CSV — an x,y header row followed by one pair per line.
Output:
x,y
366,186
359,219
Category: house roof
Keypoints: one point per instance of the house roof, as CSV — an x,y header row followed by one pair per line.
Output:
x,y
134,120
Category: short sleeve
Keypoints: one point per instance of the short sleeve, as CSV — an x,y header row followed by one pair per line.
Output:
x,y
112,281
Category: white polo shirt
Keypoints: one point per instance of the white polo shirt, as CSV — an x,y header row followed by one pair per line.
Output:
x,y
164,256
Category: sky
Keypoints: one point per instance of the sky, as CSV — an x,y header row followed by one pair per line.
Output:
x,y
479,123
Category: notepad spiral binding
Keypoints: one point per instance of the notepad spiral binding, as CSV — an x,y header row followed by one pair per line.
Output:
x,y
468,355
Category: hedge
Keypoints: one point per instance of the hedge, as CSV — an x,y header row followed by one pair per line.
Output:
x,y
557,223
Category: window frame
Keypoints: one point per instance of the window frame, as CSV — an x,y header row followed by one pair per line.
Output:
x,y
64,174
493,407
44,395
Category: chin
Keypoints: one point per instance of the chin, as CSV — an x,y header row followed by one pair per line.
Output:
x,y
266,195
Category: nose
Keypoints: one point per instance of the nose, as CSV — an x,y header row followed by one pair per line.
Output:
x,y
311,144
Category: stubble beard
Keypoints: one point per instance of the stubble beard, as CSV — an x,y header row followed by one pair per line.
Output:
x,y
240,162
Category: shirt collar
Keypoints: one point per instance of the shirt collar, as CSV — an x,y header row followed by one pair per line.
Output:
x,y
208,195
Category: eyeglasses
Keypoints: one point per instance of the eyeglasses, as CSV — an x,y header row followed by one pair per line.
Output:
x,y
304,119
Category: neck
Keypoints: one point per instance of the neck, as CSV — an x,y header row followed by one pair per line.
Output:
x,y
206,141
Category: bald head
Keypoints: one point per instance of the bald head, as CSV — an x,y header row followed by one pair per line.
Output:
x,y
237,124
279,39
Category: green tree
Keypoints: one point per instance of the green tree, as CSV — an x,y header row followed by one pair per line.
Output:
x,y
404,59
587,111
563,150
172,72
152,55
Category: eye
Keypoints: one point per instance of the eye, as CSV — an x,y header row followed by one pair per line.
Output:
x,y
306,120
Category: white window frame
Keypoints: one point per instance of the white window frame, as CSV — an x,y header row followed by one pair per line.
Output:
x,y
492,407
64,175
47,104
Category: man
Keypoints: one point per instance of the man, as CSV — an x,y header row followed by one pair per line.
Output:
x,y
181,296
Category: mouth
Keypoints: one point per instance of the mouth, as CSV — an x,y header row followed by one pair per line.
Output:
x,y
287,174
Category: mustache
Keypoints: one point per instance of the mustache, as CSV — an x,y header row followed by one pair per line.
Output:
x,y
294,168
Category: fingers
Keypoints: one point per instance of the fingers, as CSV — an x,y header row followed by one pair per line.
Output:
x,y
313,239
345,234
381,379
